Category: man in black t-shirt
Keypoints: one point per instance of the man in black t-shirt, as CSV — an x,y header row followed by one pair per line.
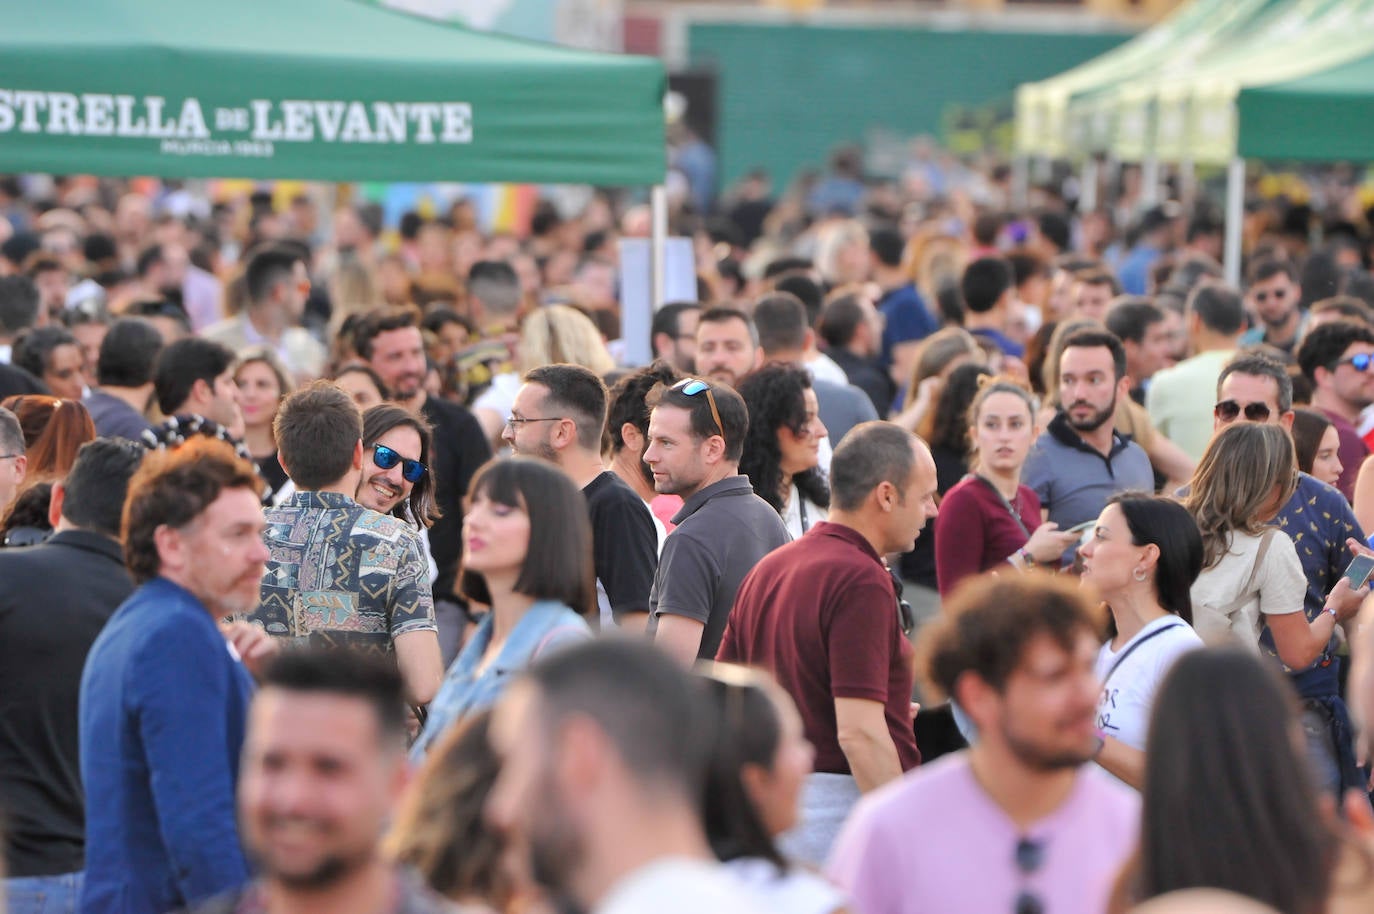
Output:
x,y
558,416
54,600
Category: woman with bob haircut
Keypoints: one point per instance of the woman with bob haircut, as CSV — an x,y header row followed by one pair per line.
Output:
x,y
1142,559
760,759
1229,802
1251,577
527,554
782,447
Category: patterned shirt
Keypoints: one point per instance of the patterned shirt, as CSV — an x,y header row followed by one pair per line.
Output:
x,y
342,574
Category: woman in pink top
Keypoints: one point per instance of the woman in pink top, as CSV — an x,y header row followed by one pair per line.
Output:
x,y
986,520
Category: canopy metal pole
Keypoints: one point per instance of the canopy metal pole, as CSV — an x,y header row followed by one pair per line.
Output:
x,y
1020,181
1187,183
1149,181
1235,217
1087,193
658,244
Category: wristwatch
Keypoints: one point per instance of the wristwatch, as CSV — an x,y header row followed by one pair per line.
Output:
x,y
1332,610
1026,557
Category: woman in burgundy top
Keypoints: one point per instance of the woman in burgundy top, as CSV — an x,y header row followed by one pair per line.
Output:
x,y
986,520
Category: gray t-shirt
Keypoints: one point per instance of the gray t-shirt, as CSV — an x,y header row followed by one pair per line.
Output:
x,y
722,532
1074,480
842,406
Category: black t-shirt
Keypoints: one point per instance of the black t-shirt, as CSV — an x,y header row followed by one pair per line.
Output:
x,y
918,565
460,447
624,543
54,600
269,468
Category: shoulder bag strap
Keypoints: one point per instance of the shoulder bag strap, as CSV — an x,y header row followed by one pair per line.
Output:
x,y
1131,649
1006,504
1249,589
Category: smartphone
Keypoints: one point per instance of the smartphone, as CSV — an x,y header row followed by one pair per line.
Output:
x,y
1359,570
1086,525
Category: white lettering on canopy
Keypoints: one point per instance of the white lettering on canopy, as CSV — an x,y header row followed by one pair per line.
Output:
x,y
263,120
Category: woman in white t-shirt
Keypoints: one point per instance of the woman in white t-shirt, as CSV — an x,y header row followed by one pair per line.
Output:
x,y
1252,577
760,760
782,451
1142,558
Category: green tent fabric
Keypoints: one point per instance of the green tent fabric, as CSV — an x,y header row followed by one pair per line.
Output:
x,y
315,89
1041,107
1322,116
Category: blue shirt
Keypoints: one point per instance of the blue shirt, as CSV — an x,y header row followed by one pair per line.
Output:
x,y
1134,271
905,318
1002,341
164,703
467,688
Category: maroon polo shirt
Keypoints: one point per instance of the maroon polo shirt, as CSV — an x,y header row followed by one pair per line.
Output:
x,y
821,615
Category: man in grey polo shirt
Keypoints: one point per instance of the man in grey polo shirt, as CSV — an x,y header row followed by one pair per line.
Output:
x,y
1080,461
696,436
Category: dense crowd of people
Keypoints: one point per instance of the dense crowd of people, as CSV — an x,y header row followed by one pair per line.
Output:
x,y
947,557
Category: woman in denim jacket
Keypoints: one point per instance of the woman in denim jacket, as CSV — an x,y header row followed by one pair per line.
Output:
x,y
527,553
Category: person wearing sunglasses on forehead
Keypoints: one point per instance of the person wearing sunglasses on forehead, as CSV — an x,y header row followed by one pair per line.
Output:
x,y
696,437
1272,294
277,286
1338,359
1020,823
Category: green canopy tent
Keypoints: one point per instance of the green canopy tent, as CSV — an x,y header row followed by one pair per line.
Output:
x,y
1323,116
331,90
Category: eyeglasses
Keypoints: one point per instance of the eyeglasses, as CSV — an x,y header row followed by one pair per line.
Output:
x,y
517,421
9,456
1228,410
691,387
386,458
1359,362
906,616
1030,856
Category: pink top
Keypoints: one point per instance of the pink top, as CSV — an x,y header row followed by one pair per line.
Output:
x,y
933,841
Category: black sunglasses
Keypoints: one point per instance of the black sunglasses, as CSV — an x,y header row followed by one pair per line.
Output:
x,y
386,458
905,615
1228,410
1030,856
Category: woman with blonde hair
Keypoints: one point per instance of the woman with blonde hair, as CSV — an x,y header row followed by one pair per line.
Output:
x,y
939,354
842,252
263,382
561,334
1252,579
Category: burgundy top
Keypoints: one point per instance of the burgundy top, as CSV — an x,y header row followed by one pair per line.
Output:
x,y
974,532
1352,450
820,613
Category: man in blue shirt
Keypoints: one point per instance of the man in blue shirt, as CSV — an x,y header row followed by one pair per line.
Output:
x,y
987,286
164,696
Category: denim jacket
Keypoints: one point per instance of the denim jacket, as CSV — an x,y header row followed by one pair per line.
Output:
x,y
464,691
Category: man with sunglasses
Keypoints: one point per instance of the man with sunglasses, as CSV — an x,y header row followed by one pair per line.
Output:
x,y
821,614
1020,823
696,437
278,285
341,575
1272,295
1256,388
1338,359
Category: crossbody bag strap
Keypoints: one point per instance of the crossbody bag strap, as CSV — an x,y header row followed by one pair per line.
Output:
x,y
1248,590
1006,504
1131,649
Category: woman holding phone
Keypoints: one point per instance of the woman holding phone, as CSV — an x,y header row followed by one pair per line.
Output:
x,y
989,519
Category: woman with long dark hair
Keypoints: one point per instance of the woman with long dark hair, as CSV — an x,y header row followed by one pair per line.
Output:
x,y
527,554
1142,559
1229,802
782,448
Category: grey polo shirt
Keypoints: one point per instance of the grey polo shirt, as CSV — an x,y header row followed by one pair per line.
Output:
x,y
1074,480
722,532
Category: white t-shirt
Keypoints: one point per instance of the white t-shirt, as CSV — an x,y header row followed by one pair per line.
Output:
x,y
792,514
1123,710
677,885
1280,582
797,891
499,396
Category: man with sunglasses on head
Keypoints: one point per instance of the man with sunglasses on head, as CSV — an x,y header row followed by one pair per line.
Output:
x,y
1272,295
823,615
696,437
342,575
1255,387
1020,823
1338,359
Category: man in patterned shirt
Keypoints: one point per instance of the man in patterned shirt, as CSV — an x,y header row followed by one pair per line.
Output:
x,y
341,574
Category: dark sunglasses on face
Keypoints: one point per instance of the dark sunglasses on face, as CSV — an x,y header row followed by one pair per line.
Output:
x,y
386,458
1228,410
1359,362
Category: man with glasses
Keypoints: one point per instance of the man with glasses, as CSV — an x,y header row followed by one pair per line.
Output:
x,y
1272,296
558,416
278,285
822,615
1337,358
1256,388
13,460
1020,823
696,437
1216,319
341,575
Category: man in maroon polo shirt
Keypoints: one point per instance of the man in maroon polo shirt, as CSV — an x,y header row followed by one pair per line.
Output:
x,y
821,613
